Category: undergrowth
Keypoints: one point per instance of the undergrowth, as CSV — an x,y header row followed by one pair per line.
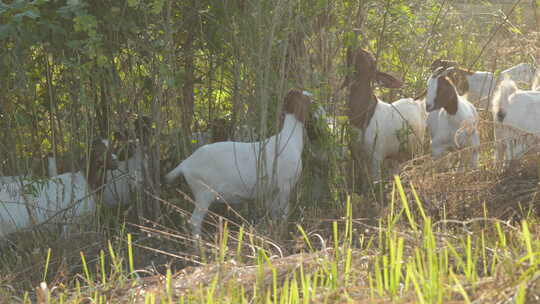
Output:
x,y
408,257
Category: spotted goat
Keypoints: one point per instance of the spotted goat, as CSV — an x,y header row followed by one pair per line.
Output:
x,y
385,131
452,120
479,86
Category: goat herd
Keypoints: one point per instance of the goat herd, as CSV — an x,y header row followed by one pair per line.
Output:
x,y
230,171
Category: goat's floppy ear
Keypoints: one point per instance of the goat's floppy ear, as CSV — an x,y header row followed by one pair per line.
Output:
x,y
388,80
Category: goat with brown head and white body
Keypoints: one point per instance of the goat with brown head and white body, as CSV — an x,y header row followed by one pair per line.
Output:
x,y
384,129
63,198
452,119
229,171
479,86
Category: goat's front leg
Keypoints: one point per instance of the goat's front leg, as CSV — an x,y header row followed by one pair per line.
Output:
x,y
499,147
475,140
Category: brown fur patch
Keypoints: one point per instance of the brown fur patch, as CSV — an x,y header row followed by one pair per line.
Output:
x,y
364,62
297,103
100,160
446,95
362,101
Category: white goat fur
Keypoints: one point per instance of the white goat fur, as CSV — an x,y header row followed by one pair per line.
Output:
x,y
451,132
482,84
28,202
383,137
125,180
229,171
517,115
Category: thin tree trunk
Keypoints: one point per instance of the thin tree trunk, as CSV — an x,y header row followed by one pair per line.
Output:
x,y
188,101
52,107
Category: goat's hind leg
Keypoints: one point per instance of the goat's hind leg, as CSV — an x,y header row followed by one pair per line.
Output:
x,y
203,200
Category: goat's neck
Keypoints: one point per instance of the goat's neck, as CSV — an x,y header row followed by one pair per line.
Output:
x,y
96,177
460,115
292,132
362,103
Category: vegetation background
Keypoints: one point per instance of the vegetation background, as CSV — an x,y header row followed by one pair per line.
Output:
x,y
74,70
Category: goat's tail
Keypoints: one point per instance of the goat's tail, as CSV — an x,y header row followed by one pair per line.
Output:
x,y
175,173
501,97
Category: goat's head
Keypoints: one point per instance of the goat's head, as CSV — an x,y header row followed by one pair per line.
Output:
x,y
364,68
101,156
457,75
443,63
441,92
297,102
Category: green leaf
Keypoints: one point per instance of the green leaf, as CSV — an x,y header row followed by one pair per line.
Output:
x,y
30,14
515,30
85,23
157,6
132,3
18,4
3,8
75,44
5,31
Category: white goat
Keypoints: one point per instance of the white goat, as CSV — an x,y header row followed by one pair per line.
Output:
x,y
516,113
384,130
228,171
480,86
452,119
26,203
